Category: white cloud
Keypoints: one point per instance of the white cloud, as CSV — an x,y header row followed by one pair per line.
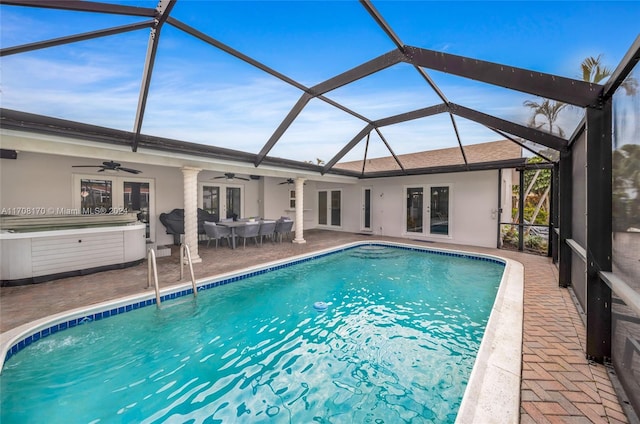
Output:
x,y
200,104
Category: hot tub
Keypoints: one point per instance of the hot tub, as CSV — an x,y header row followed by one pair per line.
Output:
x,y
66,247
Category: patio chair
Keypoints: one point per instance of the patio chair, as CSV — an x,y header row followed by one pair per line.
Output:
x,y
283,226
267,229
250,229
216,232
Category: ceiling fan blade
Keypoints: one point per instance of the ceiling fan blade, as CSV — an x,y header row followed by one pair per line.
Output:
x,y
109,166
229,176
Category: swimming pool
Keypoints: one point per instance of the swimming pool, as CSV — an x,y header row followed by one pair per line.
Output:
x,y
279,357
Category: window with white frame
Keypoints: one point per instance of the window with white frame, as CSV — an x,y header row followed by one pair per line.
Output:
x,y
106,194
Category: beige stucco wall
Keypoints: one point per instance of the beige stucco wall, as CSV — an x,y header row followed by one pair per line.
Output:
x,y
45,180
474,202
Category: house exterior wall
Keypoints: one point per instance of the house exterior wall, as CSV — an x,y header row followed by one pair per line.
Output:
x,y
35,181
276,201
474,204
43,180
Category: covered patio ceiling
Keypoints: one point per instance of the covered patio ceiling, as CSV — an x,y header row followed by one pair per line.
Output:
x,y
211,79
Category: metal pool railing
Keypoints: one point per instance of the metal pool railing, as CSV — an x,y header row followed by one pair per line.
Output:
x,y
151,265
184,248
185,253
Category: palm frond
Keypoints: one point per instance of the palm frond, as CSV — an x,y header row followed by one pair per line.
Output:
x,y
593,70
549,110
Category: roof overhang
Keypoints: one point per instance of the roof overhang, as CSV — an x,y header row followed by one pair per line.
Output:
x,y
483,166
36,133
23,131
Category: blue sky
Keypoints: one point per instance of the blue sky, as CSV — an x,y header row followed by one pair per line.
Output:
x,y
202,95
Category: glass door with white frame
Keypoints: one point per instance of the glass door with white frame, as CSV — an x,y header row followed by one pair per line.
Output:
x,y
211,199
428,215
414,210
136,197
330,207
222,200
439,210
365,224
234,202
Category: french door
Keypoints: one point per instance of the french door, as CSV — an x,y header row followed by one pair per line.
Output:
x,y
222,200
428,216
438,210
414,211
330,208
233,202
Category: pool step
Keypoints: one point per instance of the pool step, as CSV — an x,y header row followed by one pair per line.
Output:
x,y
374,252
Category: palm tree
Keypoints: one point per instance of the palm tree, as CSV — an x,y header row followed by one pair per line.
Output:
x,y
549,110
594,71
318,162
626,187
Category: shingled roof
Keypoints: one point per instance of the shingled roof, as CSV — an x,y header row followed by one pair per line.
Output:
x,y
476,153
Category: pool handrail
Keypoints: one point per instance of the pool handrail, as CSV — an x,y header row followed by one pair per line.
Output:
x,y
151,260
184,248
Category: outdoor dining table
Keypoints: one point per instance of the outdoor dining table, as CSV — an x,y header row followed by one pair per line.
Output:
x,y
233,225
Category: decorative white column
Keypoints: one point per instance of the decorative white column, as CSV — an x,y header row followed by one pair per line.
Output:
x,y
190,189
299,211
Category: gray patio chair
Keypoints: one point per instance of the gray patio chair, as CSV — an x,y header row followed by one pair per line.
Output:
x,y
216,232
250,229
283,226
267,229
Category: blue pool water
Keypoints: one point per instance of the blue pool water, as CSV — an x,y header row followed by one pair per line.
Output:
x,y
396,343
